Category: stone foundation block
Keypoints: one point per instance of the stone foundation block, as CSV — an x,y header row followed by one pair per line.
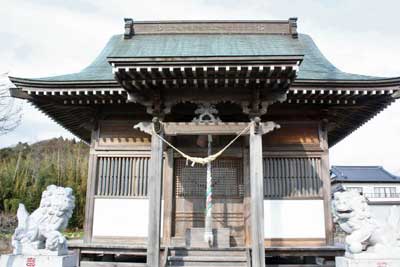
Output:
x,y
11,260
348,262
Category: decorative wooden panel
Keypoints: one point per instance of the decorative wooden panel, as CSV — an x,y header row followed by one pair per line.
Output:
x,y
122,176
292,177
121,134
227,179
293,134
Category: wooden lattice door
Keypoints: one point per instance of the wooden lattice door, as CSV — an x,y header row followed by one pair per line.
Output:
x,y
190,192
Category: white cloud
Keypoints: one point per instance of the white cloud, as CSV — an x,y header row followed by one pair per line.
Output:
x,y
50,37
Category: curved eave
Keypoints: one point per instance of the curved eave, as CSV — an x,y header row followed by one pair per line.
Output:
x,y
337,135
379,82
23,82
26,82
72,121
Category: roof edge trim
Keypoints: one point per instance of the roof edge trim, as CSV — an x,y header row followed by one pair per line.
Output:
x,y
46,83
379,82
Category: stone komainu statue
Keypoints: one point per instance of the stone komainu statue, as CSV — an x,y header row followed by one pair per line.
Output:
x,y
40,232
351,212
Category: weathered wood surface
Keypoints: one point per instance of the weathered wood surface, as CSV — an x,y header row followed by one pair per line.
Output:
x,y
292,178
294,133
213,257
154,194
189,197
168,189
305,251
257,197
215,128
326,187
111,264
90,192
195,238
120,134
215,27
226,213
247,196
294,242
122,176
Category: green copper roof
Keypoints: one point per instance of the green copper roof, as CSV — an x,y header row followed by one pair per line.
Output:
x,y
314,66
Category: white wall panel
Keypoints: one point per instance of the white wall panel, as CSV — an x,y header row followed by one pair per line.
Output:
x,y
294,219
121,217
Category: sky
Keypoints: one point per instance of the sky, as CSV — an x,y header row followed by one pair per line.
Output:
x,y
40,38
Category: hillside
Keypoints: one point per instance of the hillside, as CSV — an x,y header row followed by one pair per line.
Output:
x,y
26,170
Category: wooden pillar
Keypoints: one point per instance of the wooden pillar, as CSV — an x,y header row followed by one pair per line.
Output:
x,y
326,183
90,190
257,195
168,191
247,194
154,194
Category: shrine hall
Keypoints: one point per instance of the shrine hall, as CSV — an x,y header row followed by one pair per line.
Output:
x,y
209,142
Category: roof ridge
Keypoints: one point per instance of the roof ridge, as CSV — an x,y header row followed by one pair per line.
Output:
x,y
286,27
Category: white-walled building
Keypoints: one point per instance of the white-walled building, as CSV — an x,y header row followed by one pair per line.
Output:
x,y
381,188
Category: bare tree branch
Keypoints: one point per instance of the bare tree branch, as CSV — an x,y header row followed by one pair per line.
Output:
x,y
10,112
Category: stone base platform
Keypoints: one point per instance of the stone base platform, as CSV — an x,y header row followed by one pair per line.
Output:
x,y
11,260
348,262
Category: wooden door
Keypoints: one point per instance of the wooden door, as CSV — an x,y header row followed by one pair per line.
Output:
x,y
190,197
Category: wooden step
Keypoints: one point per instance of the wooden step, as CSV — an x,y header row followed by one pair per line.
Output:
x,y
207,258
110,264
208,252
203,264
209,264
197,257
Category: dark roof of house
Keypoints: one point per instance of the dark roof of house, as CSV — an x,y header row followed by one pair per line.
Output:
x,y
362,174
314,66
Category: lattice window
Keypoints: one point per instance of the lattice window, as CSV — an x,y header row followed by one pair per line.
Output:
x,y
292,177
227,179
122,176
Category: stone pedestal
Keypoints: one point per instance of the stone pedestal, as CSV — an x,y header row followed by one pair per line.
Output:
x,y
356,262
11,260
195,238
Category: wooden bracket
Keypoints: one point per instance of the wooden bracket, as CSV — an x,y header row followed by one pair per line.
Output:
x,y
157,125
396,95
257,127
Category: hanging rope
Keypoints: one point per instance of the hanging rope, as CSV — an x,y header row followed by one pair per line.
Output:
x,y
205,160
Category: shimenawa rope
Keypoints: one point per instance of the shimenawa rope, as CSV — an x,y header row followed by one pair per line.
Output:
x,y
205,160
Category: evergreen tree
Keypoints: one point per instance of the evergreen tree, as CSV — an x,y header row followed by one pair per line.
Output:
x,y
26,170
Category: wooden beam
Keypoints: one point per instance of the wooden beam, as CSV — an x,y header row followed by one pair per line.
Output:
x,y
217,128
154,194
257,195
